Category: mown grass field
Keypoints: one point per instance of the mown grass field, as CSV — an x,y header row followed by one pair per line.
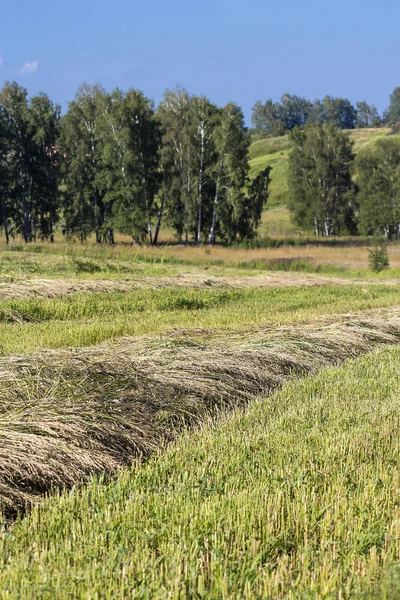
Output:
x,y
198,423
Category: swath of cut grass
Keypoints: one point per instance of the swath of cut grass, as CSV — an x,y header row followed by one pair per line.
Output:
x,y
67,415
27,325
36,288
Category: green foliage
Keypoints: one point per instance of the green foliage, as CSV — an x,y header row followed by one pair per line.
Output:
x,y
115,164
274,118
379,257
234,215
378,178
132,138
321,193
367,115
29,164
81,145
393,112
277,118
205,166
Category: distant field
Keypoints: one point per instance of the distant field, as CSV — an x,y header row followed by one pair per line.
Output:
x,y
205,422
123,260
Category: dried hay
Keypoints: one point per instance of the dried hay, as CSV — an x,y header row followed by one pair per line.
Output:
x,y
51,288
67,415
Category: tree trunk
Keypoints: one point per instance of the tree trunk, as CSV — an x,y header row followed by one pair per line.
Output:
x,y
211,237
110,236
159,219
198,236
26,222
97,216
6,231
200,187
4,213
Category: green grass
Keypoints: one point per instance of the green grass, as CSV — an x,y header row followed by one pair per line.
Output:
x,y
273,152
295,498
85,319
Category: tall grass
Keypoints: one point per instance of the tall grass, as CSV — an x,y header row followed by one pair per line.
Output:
x,y
297,497
123,260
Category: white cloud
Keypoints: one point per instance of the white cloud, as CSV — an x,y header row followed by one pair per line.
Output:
x,y
29,67
1,62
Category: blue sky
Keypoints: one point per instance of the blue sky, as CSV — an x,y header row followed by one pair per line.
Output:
x,y
240,50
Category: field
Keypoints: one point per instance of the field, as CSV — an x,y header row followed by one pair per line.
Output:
x,y
199,423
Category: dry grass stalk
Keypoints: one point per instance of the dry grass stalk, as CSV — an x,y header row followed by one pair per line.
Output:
x,y
67,415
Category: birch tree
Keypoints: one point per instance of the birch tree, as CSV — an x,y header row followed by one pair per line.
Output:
x,y
178,161
203,119
45,118
5,205
378,176
132,138
20,153
230,175
81,144
321,192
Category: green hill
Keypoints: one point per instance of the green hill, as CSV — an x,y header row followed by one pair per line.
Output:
x,y
274,152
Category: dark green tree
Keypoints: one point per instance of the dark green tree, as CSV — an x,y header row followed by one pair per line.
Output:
x,y
134,133
321,192
367,115
45,119
21,153
378,178
82,146
294,112
5,182
229,217
276,118
178,162
393,114
339,112
266,116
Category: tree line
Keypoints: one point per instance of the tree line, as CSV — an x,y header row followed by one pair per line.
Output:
x,y
334,192
116,163
277,118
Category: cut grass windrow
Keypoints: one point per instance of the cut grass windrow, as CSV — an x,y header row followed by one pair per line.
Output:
x,y
67,415
36,288
77,320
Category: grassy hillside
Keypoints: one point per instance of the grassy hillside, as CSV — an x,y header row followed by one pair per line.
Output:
x,y
274,152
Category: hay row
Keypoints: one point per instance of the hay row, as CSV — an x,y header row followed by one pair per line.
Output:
x,y
67,415
51,288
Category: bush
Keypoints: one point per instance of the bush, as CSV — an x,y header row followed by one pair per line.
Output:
x,y
378,257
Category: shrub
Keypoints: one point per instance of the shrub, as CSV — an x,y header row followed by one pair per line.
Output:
x,y
378,257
